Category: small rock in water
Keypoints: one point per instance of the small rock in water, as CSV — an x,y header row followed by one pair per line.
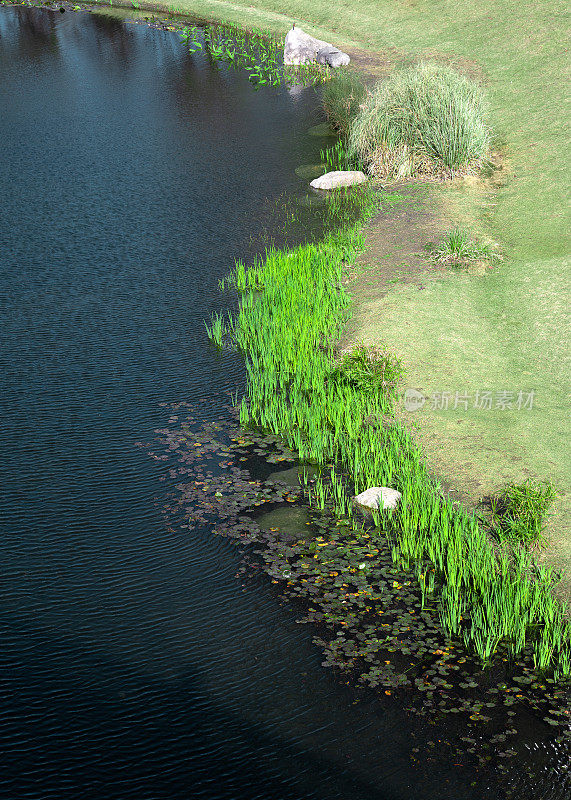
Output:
x,y
379,497
332,180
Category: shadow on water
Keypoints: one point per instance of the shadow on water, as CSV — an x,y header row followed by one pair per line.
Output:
x,y
199,748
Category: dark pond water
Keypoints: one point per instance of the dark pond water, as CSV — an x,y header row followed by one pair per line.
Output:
x,y
133,663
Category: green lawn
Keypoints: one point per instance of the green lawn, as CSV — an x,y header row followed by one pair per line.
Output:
x,y
507,329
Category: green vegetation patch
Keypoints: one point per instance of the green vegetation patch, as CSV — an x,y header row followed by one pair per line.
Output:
x,y
370,368
457,249
518,513
258,52
425,119
341,99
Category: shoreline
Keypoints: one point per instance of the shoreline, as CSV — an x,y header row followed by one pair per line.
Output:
x,y
161,8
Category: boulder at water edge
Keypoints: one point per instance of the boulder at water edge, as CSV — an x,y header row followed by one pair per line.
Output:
x,y
332,180
379,497
332,57
301,48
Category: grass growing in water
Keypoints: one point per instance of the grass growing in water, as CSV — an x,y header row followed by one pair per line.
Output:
x,y
291,314
342,98
255,51
426,119
217,330
337,157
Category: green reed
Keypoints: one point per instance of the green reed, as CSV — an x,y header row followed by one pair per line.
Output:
x,y
291,315
218,331
337,157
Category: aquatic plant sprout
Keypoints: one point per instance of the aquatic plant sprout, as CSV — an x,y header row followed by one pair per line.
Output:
x,y
292,310
255,51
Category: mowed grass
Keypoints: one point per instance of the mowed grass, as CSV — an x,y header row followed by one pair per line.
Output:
x,y
506,330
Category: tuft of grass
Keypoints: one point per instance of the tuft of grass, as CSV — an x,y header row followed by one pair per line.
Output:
x,y
425,119
370,369
457,249
342,98
337,157
518,513
217,330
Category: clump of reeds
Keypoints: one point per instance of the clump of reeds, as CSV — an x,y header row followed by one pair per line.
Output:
x,y
342,98
518,514
337,157
425,119
218,331
370,369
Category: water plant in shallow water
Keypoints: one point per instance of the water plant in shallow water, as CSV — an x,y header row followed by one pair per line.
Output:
x,y
255,51
217,330
337,157
291,315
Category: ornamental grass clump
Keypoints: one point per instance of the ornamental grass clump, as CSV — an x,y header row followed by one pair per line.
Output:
x,y
426,119
457,250
342,98
369,369
518,514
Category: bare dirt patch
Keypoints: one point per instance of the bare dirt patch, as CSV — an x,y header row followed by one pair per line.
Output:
x,y
412,219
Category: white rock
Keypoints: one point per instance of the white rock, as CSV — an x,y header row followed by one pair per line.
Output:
x,y
332,180
380,497
301,48
332,56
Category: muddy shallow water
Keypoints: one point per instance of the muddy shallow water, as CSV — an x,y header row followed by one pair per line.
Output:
x,y
137,660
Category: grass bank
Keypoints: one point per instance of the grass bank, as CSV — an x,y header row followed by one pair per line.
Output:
x,y
292,311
